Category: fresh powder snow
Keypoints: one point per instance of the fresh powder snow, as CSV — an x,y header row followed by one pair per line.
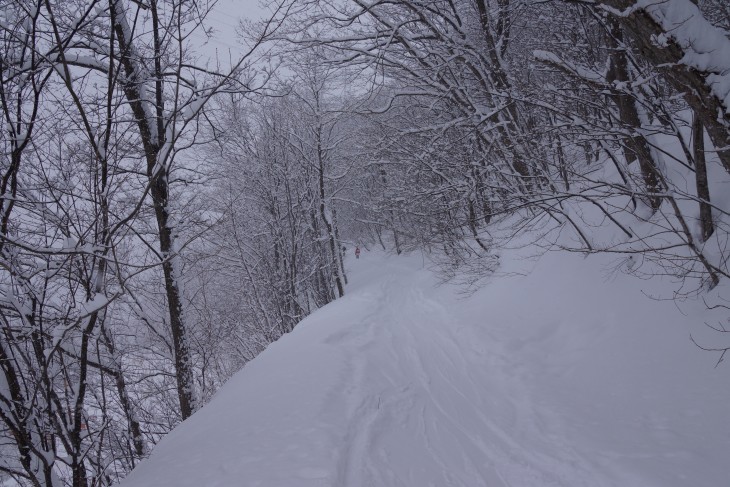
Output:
x,y
557,372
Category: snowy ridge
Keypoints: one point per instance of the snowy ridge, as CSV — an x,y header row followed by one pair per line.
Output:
x,y
532,381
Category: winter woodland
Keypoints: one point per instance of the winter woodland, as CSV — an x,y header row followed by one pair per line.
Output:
x,y
166,214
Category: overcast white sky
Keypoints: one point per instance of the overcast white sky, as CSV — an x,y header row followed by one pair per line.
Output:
x,y
224,18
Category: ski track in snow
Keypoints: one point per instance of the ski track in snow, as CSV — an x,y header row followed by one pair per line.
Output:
x,y
427,410
404,383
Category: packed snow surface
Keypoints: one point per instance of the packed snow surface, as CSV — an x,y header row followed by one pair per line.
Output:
x,y
564,374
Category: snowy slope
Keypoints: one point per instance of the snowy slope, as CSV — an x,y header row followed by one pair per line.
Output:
x,y
562,377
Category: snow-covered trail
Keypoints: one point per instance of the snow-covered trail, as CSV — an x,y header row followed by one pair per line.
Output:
x,y
530,382
424,409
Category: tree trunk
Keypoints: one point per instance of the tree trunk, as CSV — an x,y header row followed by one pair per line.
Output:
x,y
703,190
327,218
152,131
637,148
692,83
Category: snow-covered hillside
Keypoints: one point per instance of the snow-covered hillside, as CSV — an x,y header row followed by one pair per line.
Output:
x,y
567,376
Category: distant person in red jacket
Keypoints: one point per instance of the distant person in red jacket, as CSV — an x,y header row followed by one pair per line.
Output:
x,y
357,252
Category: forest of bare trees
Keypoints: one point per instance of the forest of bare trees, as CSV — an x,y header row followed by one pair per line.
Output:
x,y
163,219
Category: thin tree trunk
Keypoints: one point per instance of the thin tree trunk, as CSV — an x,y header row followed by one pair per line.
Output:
x,y
153,140
326,218
692,83
340,253
703,190
637,147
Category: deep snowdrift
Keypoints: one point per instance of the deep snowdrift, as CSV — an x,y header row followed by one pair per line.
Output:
x,y
564,377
